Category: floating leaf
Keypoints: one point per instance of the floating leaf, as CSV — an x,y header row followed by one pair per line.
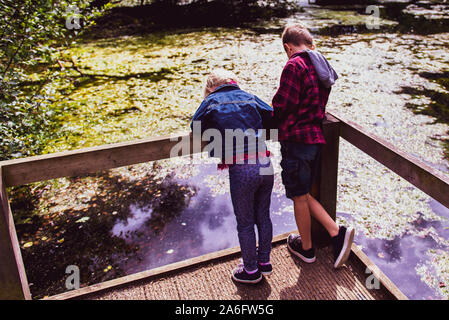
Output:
x,y
82,220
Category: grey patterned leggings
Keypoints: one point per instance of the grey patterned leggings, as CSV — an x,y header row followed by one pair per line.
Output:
x,y
251,197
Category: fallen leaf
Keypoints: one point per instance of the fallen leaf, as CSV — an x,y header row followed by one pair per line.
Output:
x,y
28,244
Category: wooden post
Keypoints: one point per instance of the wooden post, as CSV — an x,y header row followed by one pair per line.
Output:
x,y
325,188
13,281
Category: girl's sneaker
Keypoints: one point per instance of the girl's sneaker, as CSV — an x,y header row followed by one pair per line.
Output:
x,y
240,275
266,269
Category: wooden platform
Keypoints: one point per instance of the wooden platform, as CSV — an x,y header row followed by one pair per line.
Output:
x,y
209,277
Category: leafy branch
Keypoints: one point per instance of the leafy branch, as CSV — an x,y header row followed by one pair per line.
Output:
x,y
33,35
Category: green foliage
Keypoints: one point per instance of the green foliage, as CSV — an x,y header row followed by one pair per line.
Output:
x,y
33,35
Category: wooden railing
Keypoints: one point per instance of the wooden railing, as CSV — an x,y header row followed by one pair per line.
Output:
x,y
13,281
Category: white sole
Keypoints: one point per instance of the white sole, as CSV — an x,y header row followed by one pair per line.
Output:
x,y
266,273
247,281
307,260
346,250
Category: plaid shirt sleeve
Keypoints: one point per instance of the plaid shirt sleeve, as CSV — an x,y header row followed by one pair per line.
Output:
x,y
288,94
299,104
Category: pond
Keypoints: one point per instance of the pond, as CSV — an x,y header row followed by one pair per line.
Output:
x,y
149,85
206,223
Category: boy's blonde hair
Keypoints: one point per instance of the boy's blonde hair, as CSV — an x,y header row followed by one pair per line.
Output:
x,y
218,77
297,35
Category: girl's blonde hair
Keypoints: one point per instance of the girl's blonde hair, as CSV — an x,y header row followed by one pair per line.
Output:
x,y
218,77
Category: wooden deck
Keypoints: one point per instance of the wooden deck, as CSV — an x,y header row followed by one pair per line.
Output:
x,y
209,277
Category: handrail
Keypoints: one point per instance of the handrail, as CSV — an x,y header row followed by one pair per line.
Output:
x,y
88,160
421,175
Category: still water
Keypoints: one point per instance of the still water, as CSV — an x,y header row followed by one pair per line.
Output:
x,y
206,224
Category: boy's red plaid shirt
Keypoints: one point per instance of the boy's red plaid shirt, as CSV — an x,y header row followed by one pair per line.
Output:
x,y
299,104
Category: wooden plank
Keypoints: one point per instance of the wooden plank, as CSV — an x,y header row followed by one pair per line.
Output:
x,y
89,160
410,168
145,275
13,281
383,279
327,182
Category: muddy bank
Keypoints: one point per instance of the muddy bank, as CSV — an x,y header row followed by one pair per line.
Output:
x,y
165,15
419,17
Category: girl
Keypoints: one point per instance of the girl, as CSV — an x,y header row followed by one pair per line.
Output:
x,y
227,108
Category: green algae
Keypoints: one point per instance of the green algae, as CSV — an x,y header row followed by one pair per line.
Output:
x,y
134,87
436,271
438,108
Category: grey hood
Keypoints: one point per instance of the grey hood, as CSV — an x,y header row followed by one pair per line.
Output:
x,y
325,71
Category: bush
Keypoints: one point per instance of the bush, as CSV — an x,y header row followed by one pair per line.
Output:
x,y
33,35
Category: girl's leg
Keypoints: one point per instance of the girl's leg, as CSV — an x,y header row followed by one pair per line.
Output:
x,y
242,195
262,201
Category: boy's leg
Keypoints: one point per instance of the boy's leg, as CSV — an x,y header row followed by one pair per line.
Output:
x,y
321,215
298,171
303,220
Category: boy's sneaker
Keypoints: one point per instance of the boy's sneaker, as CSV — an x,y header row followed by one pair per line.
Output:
x,y
266,269
342,245
240,275
294,244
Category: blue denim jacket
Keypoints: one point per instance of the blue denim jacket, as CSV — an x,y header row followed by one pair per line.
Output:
x,y
229,107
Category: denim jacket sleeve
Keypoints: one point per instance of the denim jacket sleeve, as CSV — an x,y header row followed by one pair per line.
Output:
x,y
200,112
266,112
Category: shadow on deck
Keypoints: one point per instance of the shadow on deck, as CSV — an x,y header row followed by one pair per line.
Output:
x,y
291,280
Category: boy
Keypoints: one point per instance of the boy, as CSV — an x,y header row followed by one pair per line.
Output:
x,y
299,109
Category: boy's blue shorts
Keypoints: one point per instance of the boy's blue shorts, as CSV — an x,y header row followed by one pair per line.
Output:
x,y
300,165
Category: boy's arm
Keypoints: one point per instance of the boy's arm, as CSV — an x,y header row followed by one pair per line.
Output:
x,y
288,94
266,112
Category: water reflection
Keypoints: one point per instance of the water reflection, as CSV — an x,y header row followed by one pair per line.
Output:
x,y
402,257
207,224
79,224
